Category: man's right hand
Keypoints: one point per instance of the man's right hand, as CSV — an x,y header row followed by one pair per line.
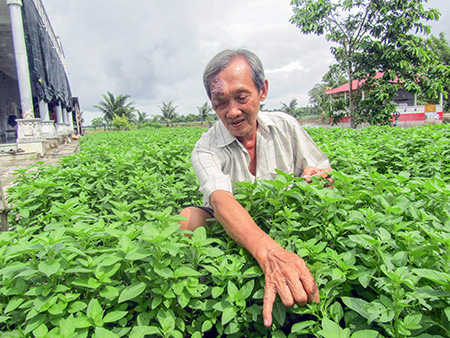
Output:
x,y
287,275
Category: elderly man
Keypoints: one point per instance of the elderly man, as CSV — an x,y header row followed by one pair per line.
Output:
x,y
246,145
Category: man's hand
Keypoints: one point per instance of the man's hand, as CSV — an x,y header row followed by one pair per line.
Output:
x,y
312,171
288,276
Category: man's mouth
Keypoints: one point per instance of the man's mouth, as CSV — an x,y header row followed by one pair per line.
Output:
x,y
236,123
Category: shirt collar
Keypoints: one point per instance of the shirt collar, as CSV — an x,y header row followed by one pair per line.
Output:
x,y
224,137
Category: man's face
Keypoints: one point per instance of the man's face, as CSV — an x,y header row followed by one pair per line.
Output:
x,y
235,98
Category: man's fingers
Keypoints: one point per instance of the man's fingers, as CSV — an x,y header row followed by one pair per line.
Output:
x,y
308,283
298,293
269,298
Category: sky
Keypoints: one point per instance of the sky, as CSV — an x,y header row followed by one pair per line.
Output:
x,y
155,51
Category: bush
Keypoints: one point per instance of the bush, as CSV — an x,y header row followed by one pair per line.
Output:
x,y
121,123
95,247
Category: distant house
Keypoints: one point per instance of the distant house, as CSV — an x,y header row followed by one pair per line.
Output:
x,y
36,104
410,112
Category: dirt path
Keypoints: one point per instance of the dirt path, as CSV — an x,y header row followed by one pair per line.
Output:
x,y
51,158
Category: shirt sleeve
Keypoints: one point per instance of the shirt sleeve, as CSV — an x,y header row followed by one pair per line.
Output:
x,y
208,168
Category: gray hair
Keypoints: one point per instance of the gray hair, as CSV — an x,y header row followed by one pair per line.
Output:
x,y
224,58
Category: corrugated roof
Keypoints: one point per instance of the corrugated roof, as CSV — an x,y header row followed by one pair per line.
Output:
x,y
355,84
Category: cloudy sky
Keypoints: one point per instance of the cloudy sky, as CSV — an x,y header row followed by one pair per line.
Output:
x,y
156,50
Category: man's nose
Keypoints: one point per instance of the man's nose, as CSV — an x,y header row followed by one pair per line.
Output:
x,y
233,110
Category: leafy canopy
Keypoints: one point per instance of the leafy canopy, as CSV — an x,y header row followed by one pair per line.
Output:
x,y
116,106
371,37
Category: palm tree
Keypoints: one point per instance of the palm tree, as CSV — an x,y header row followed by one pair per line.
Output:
x,y
203,111
168,112
291,108
116,106
142,117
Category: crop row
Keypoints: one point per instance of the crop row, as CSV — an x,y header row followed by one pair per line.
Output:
x,y
95,249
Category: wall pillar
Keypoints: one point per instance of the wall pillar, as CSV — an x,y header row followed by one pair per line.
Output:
x,y
43,111
59,117
20,52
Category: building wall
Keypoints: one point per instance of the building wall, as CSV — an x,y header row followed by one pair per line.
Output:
x,y
404,98
9,94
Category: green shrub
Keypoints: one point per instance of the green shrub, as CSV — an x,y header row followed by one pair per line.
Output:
x,y
95,248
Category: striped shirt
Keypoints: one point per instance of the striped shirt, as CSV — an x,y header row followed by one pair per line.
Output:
x,y
219,159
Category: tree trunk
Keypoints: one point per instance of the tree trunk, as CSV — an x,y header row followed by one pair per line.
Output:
x,y
351,102
4,209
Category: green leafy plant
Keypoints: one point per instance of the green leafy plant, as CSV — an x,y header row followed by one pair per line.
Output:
x,y
95,248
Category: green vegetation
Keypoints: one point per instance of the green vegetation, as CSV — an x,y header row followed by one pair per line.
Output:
x,y
94,247
371,37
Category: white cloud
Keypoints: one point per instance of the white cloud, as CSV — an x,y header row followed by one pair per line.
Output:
x,y
156,51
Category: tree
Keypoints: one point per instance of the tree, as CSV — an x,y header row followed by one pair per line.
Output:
x,y
317,96
142,117
97,122
290,108
376,36
116,106
441,48
168,112
203,111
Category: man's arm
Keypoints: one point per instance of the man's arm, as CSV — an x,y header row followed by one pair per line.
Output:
x,y
286,274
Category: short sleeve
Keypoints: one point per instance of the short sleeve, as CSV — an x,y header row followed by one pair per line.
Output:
x,y
208,168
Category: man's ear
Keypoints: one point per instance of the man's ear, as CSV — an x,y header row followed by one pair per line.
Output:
x,y
264,90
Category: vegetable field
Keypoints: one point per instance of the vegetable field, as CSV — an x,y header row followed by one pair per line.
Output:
x,y
95,250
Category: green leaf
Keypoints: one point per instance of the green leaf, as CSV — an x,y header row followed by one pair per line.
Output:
x,y
435,276
185,271
412,321
14,304
216,291
142,331
331,329
41,331
77,306
232,290
254,271
279,312
246,290
299,327
49,268
4,319
357,305
132,291
101,332
138,253
95,311
110,292
114,316
167,320
207,325
365,334
228,314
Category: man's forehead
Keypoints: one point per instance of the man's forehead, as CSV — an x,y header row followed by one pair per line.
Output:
x,y
217,85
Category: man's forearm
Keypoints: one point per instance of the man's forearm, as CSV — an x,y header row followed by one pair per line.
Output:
x,y
240,226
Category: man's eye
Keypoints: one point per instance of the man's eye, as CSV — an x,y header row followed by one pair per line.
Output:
x,y
219,105
242,98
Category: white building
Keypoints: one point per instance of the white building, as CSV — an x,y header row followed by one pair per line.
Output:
x,y
36,104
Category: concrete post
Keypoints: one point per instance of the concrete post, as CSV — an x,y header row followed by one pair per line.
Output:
x,y
43,111
70,115
59,117
20,51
